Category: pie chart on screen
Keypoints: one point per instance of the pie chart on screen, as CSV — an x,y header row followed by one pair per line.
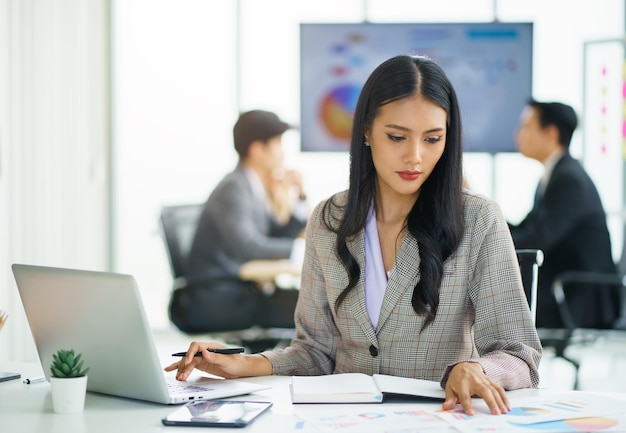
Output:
x,y
337,109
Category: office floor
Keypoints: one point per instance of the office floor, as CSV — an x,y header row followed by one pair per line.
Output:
x,y
602,361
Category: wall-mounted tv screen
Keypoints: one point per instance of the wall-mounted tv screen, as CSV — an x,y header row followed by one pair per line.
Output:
x,y
489,64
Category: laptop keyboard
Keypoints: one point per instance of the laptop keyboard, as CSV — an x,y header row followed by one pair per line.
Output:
x,y
183,388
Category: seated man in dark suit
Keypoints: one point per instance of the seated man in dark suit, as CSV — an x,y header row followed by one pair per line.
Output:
x,y
567,220
248,216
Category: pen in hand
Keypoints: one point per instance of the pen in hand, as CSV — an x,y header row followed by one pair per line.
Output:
x,y
225,351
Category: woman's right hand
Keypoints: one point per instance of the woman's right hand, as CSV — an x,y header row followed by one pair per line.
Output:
x,y
227,366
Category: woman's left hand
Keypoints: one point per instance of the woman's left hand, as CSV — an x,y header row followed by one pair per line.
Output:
x,y
467,379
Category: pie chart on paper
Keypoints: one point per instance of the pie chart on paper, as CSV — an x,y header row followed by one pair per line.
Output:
x,y
527,411
591,424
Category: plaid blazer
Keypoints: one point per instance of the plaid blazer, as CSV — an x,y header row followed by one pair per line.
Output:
x,y
483,314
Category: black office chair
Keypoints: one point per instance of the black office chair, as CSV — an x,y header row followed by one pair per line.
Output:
x,y
558,339
178,225
529,262
573,334
615,282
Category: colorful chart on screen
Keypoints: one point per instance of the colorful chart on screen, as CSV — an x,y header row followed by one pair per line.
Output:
x,y
336,111
489,65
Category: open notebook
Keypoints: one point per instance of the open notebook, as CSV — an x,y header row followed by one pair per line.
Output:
x,y
101,315
360,388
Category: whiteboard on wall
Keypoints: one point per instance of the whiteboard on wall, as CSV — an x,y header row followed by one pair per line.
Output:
x,y
604,129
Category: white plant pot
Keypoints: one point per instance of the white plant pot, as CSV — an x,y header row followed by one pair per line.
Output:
x,y
68,394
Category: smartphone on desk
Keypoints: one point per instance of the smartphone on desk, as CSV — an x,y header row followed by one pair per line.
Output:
x,y
217,413
5,376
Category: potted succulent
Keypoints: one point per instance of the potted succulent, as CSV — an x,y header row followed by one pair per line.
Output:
x,y
68,381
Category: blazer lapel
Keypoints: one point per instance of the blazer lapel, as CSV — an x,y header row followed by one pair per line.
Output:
x,y
356,298
403,278
404,275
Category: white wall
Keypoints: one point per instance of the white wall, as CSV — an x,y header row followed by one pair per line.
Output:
x,y
54,144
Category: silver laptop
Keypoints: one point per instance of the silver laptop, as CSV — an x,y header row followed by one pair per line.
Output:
x,y
101,315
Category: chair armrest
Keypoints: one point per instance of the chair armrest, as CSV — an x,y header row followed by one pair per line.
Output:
x,y
534,255
607,278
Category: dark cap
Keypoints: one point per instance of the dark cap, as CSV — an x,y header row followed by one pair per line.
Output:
x,y
256,125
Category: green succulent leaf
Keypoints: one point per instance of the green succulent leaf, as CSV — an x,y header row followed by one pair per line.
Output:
x,y
65,363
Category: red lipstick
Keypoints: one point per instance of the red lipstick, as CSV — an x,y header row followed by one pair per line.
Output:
x,y
409,175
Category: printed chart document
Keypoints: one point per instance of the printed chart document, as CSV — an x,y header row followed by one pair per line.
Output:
x,y
359,388
575,411
372,418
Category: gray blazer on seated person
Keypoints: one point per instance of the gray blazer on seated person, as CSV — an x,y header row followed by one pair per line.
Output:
x,y
235,226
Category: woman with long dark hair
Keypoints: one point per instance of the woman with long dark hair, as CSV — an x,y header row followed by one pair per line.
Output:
x,y
405,273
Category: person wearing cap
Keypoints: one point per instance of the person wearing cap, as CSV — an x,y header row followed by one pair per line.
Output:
x,y
567,221
246,217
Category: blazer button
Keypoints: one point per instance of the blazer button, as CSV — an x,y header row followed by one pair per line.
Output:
x,y
373,351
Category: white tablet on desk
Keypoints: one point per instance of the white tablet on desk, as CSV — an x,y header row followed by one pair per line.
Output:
x,y
217,413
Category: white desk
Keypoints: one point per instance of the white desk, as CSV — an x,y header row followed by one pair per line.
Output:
x,y
268,270
28,408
